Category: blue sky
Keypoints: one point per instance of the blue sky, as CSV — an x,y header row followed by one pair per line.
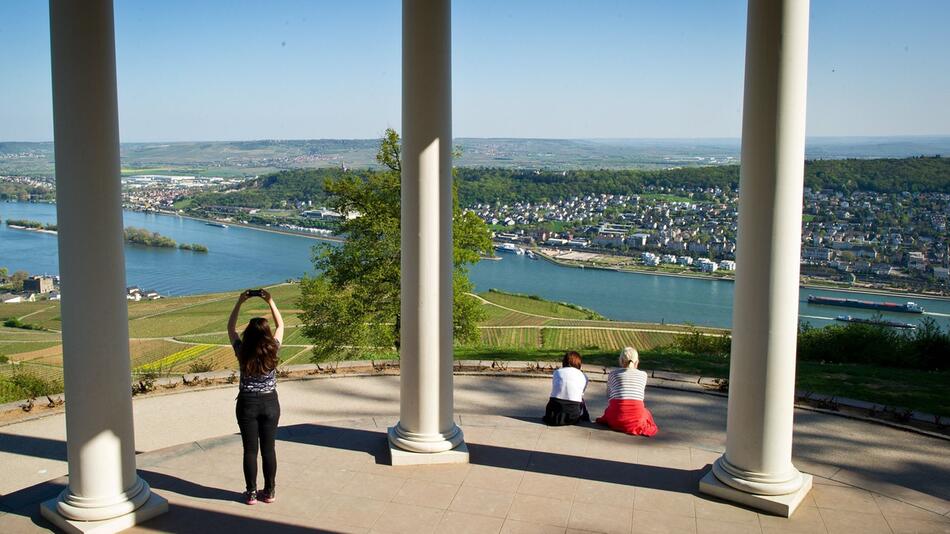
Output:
x,y
220,70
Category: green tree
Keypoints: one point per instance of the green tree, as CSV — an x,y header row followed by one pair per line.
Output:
x,y
352,307
17,278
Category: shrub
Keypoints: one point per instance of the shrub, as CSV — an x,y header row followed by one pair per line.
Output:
x,y
36,386
926,347
695,342
15,322
200,366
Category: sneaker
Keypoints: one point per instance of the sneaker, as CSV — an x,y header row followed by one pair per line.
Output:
x,y
250,497
268,496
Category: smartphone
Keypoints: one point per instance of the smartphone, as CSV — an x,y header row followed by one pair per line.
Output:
x,y
255,292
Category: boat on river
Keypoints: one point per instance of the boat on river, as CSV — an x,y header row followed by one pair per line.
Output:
x,y
877,322
509,247
907,307
217,224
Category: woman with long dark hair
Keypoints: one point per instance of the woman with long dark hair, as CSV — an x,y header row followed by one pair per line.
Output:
x,y
258,409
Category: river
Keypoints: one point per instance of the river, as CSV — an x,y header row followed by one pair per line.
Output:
x,y
244,257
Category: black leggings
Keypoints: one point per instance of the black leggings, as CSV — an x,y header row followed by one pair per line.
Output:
x,y
257,416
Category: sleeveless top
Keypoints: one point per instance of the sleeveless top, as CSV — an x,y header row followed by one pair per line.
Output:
x,y
257,383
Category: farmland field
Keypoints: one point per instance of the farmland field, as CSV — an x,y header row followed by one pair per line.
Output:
x,y
177,335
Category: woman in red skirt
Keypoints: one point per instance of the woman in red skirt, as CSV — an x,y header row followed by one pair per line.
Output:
x,y
625,388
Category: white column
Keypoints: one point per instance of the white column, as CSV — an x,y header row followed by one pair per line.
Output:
x,y
756,468
426,424
104,491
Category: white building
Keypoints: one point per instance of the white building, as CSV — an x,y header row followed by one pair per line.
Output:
x,y
727,265
650,259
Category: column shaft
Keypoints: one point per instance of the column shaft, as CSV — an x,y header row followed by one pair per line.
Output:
x,y
758,456
103,482
426,412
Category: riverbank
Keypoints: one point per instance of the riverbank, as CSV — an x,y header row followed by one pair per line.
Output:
x,y
578,264
271,229
37,230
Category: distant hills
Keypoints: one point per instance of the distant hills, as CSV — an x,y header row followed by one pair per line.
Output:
x,y
253,158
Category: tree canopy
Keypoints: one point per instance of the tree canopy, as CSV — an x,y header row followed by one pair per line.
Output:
x,y
351,308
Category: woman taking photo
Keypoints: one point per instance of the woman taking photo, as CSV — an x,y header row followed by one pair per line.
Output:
x,y
625,389
258,409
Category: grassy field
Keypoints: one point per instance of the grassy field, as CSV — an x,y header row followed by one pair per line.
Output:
x,y
181,334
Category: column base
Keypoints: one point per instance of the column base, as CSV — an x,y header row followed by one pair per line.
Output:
x,y
410,441
398,457
458,454
780,505
154,506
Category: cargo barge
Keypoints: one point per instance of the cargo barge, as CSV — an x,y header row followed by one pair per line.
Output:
x,y
877,322
907,307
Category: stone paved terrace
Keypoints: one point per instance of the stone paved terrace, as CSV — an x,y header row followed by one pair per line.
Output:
x,y
523,476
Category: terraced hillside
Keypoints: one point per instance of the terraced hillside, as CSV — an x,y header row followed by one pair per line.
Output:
x,y
184,334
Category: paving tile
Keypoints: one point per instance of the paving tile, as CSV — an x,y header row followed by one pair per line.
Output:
x,y
350,510
597,492
541,510
523,527
567,447
545,485
714,526
326,478
372,486
465,523
700,457
677,458
426,493
601,518
497,478
722,511
848,499
668,502
445,474
515,438
918,526
662,523
482,501
478,434
626,452
894,510
296,502
845,522
805,519
398,518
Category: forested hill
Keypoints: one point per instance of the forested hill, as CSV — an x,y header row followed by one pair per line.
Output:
x,y
884,175
509,185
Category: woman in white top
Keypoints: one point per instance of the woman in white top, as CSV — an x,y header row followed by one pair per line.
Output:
x,y
566,405
625,390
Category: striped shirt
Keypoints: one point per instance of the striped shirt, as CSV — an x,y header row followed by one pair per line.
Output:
x,y
626,384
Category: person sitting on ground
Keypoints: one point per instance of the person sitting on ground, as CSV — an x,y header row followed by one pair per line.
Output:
x,y
566,405
258,409
625,389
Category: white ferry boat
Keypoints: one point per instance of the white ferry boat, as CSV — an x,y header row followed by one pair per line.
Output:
x,y
509,247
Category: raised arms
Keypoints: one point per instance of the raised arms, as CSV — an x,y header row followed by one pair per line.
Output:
x,y
232,321
278,320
